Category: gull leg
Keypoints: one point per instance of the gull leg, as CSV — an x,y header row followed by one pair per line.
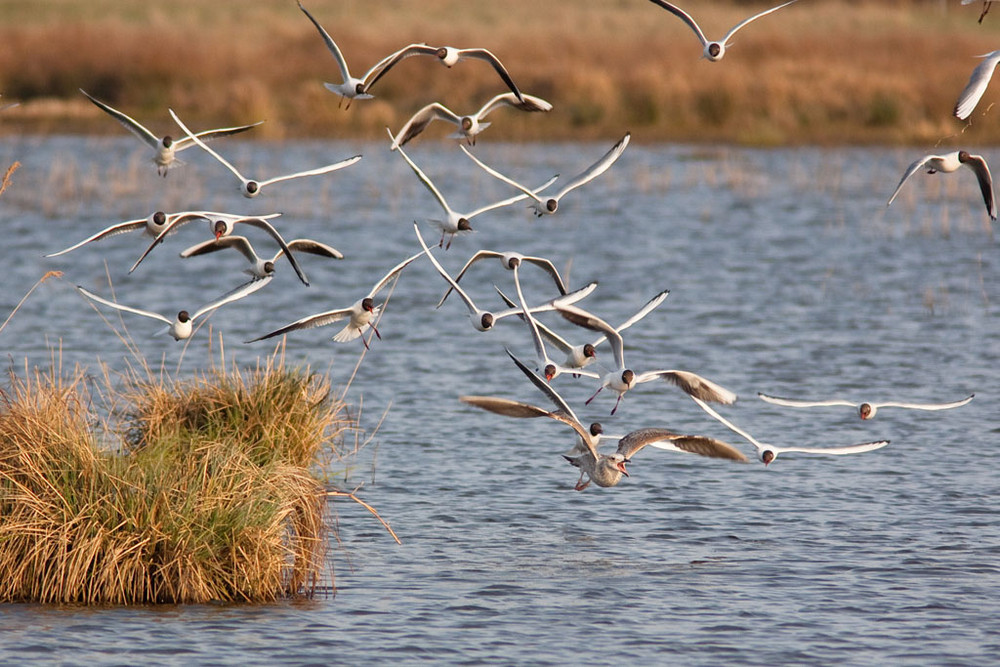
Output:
x,y
616,403
587,402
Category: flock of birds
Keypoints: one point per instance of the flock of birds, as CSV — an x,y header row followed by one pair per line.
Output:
x,y
572,359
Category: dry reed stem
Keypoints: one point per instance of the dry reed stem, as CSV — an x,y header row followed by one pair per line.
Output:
x,y
49,274
350,494
7,176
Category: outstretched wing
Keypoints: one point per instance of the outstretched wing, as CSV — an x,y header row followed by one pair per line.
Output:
x,y
120,228
420,120
127,309
834,451
331,45
583,318
241,291
977,163
799,403
598,167
483,54
195,139
209,135
684,16
926,406
742,23
392,273
914,167
312,172
128,123
496,174
310,322
692,384
505,406
662,438
974,89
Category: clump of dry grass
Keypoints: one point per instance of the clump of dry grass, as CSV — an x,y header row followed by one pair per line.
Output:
x,y
211,495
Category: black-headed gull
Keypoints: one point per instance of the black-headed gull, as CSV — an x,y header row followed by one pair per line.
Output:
x,y
250,187
223,224
549,368
950,162
713,51
456,222
509,259
449,56
182,326
152,225
622,378
166,147
548,205
352,88
260,267
865,410
580,356
468,126
769,452
484,320
980,79
360,315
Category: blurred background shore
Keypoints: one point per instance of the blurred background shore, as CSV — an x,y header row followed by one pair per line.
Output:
x,y
822,72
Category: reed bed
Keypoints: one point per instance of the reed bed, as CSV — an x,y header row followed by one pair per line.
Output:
x,y
142,489
823,71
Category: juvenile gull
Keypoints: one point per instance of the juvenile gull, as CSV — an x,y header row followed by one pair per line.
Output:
x,y
603,469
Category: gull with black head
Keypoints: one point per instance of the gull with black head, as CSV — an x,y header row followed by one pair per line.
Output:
x,y
547,205
251,187
166,147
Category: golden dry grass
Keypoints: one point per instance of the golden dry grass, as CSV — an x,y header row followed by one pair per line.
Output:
x,y
820,71
144,490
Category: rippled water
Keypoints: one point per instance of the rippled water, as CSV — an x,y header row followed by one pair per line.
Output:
x,y
787,275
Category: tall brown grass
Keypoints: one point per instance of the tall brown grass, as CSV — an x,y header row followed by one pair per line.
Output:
x,y
141,489
822,71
